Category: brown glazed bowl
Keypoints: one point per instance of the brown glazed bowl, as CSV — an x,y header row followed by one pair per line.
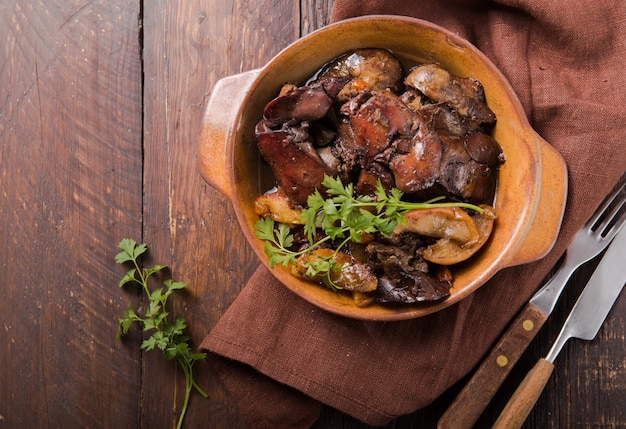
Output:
x,y
532,186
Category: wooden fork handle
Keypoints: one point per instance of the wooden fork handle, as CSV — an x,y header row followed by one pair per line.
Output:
x,y
476,395
523,400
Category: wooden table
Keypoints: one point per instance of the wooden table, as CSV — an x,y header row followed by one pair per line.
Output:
x,y
100,108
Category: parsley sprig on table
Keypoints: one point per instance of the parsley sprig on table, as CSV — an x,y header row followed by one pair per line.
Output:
x,y
343,215
165,335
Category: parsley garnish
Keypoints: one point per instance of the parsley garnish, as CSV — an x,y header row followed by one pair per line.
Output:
x,y
166,336
343,216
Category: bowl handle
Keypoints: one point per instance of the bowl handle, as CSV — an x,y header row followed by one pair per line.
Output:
x,y
550,206
215,156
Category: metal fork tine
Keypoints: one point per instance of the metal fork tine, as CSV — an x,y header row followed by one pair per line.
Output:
x,y
601,218
613,221
614,227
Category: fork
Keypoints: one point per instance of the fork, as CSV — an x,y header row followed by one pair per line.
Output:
x,y
589,242
595,235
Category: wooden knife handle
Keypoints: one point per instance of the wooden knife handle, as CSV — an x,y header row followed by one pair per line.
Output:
x,y
523,400
476,395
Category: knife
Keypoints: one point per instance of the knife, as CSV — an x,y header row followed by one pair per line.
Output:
x,y
583,322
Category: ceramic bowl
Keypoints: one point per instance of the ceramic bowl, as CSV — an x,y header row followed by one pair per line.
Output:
x,y
532,185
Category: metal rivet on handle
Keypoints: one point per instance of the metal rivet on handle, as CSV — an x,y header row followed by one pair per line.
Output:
x,y
502,360
528,325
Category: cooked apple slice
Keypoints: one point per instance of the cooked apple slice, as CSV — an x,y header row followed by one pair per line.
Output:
x,y
450,223
449,252
349,275
276,205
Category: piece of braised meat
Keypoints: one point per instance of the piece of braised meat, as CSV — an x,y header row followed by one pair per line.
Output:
x,y
410,289
416,164
485,149
369,178
298,168
469,167
376,119
368,70
305,103
440,118
397,251
465,95
403,275
347,153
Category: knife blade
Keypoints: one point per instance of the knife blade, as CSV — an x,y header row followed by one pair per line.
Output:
x,y
584,322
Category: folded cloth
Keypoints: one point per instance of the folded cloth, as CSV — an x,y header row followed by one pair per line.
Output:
x,y
281,357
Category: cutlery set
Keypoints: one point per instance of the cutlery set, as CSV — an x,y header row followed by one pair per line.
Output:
x,y
602,233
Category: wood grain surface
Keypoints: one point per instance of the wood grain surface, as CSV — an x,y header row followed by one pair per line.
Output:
x,y
100,108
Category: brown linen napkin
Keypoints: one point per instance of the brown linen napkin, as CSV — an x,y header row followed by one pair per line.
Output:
x,y
281,357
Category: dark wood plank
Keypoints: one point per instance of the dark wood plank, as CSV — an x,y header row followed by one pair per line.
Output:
x,y
189,45
70,188
315,15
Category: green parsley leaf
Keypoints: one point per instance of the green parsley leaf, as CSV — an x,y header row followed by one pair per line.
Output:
x,y
165,336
